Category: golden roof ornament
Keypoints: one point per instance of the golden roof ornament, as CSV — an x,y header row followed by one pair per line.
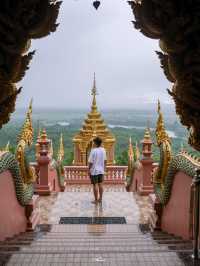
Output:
x,y
94,93
164,144
27,130
137,152
161,134
43,136
147,135
130,158
61,151
130,150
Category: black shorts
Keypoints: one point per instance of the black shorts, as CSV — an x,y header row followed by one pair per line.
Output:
x,y
95,179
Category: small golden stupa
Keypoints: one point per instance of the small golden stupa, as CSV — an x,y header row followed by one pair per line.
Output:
x,y
93,126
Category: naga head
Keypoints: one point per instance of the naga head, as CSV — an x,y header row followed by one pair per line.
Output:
x,y
26,134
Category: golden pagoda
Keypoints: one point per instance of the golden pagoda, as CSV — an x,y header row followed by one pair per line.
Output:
x,y
93,126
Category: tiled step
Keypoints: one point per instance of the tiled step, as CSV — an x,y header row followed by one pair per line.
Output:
x,y
91,247
80,240
105,248
94,239
107,259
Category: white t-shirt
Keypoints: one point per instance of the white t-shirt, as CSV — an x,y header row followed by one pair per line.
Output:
x,y
97,158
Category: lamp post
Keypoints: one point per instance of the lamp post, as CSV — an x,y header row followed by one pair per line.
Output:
x,y
196,183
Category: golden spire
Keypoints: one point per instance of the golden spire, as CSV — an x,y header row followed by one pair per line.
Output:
x,y
130,158
61,151
161,133
130,149
27,129
137,152
94,93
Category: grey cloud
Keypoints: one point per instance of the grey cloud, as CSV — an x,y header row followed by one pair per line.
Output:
x,y
87,40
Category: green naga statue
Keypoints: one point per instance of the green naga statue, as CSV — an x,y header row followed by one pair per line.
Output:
x,y
23,174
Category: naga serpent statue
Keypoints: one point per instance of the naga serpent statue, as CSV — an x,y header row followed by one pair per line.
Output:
x,y
169,165
176,24
23,174
26,139
164,143
20,21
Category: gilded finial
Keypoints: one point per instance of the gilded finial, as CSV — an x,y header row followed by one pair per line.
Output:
x,y
137,152
43,135
61,151
159,107
27,129
130,158
147,134
161,133
94,89
130,149
94,93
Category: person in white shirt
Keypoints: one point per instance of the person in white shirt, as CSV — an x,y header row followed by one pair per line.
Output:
x,y
97,166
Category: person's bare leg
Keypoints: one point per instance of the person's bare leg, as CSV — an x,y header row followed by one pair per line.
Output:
x,y
100,191
96,192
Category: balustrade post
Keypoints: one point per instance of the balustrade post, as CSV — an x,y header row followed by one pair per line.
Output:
x,y
196,183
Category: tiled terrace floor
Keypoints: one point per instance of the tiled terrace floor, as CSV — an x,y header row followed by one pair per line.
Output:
x,y
77,202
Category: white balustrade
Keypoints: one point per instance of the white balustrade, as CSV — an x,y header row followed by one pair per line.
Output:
x,y
80,174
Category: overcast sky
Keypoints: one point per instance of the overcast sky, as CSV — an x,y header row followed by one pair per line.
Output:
x,y
127,70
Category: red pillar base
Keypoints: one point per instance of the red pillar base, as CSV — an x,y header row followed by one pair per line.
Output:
x,y
43,190
32,214
145,190
156,216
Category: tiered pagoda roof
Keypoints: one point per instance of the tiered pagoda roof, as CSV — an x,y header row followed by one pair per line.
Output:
x,y
94,124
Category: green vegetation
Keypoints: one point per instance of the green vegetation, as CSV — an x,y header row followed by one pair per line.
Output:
x,y
54,123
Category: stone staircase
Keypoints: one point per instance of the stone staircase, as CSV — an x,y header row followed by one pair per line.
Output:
x,y
110,244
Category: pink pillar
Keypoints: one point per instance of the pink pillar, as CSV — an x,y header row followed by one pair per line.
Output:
x,y
146,186
43,185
